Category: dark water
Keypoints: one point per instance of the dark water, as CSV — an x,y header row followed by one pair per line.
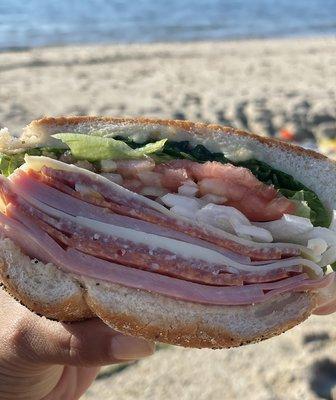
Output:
x,y
27,23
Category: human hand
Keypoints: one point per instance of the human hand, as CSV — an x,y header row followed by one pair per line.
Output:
x,y
49,360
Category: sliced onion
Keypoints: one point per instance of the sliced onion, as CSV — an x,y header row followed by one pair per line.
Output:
x,y
213,198
227,212
290,228
328,257
185,212
172,200
150,178
108,165
318,245
208,217
116,178
323,233
188,189
305,223
225,218
256,233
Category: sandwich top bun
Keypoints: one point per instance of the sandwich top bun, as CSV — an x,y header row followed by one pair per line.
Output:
x,y
49,291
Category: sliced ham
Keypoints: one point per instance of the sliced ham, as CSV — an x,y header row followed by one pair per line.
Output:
x,y
115,226
29,188
134,185
138,255
89,226
76,262
130,253
109,195
326,298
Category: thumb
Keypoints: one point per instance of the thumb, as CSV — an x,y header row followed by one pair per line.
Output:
x,y
87,343
34,340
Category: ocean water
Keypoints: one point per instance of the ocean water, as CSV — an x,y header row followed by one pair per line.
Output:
x,y
57,22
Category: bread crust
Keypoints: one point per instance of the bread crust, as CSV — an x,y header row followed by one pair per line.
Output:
x,y
196,332
73,308
311,168
198,128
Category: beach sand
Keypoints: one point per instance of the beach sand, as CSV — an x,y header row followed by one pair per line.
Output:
x,y
266,86
300,365
273,87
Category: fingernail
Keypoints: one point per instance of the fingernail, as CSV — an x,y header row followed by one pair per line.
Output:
x,y
126,348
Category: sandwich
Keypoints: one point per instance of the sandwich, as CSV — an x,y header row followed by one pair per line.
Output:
x,y
178,232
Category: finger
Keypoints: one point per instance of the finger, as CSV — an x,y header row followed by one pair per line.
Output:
x,y
86,343
73,383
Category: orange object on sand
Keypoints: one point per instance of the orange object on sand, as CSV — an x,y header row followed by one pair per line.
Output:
x,y
286,134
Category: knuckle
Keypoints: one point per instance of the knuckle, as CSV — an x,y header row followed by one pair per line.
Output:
x,y
77,350
83,353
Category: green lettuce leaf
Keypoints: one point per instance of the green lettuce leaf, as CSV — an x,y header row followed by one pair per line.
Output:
x,y
95,148
10,162
183,150
300,198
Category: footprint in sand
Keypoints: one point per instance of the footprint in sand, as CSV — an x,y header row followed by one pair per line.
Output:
x,y
323,378
178,115
316,337
316,341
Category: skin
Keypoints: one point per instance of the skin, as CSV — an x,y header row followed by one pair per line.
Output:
x,y
49,360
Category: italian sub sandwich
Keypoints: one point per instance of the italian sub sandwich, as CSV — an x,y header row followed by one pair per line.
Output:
x,y
185,233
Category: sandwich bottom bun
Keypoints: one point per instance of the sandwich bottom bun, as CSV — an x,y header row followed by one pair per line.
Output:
x,y
48,291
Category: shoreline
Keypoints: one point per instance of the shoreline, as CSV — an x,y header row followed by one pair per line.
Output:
x,y
233,39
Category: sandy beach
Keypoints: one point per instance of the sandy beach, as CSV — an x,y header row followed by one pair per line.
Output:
x,y
300,364
266,86
285,88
